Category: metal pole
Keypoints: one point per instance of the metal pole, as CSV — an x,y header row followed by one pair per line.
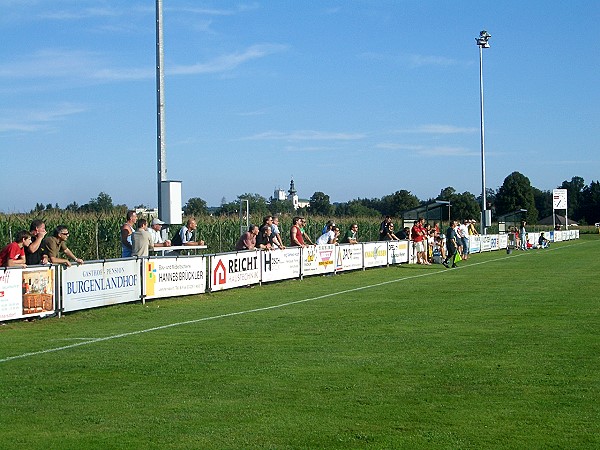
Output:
x,y
161,153
483,193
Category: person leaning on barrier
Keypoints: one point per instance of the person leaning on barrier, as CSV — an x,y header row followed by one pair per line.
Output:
x,y
329,236
247,240
36,254
13,255
141,239
305,236
351,236
58,243
155,231
264,239
276,233
296,237
187,234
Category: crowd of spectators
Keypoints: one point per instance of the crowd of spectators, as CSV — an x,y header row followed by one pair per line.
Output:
x,y
430,244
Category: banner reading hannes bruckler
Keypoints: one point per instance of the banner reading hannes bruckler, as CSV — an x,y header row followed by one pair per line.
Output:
x,y
318,259
231,270
348,257
375,253
171,277
99,284
280,264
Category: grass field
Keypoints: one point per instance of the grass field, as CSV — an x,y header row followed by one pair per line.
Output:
x,y
503,352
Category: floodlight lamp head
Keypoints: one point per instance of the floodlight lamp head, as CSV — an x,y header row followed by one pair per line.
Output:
x,y
483,39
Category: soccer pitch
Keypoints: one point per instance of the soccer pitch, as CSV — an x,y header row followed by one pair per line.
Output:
x,y
499,353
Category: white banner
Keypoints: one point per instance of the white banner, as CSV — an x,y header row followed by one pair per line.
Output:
x,y
99,284
375,253
280,264
559,199
502,241
11,305
318,259
474,243
348,257
172,277
231,270
398,252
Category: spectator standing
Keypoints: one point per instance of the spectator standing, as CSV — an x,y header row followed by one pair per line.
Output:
x,y
296,237
142,240
523,235
155,232
451,244
384,229
351,236
305,236
419,241
126,233
276,233
35,254
464,237
56,244
13,255
247,240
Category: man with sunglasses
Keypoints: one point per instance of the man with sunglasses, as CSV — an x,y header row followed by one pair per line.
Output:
x,y
57,243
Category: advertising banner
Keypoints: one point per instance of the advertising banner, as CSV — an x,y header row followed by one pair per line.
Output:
x,y
230,270
398,252
502,241
348,257
474,243
318,259
27,293
99,284
280,264
172,277
375,253
486,243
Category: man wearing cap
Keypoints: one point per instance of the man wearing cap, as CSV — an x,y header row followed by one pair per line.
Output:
x,y
155,231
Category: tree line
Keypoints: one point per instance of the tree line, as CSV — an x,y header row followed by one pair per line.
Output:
x,y
515,193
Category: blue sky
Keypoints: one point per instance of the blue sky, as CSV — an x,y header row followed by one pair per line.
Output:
x,y
351,98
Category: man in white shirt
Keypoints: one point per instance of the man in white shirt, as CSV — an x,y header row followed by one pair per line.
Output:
x,y
155,231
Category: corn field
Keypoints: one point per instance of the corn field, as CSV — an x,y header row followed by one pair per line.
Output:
x,y
96,236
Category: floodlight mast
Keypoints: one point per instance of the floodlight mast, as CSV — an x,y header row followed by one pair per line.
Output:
x,y
482,42
161,151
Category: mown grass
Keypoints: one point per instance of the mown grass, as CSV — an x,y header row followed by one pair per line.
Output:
x,y
500,353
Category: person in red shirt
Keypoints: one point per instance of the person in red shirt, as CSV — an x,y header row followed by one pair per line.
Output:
x,y
13,255
419,241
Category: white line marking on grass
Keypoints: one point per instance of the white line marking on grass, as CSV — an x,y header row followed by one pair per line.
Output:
x,y
249,311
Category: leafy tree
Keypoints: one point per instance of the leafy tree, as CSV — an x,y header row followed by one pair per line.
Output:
x,y
543,202
590,203
280,206
256,203
72,207
398,202
320,204
102,203
574,196
463,206
195,206
516,193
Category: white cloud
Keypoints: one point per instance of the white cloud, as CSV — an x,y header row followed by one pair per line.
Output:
x,y
439,129
305,135
36,120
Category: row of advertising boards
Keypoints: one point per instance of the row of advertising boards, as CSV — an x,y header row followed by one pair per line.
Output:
x,y
46,290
